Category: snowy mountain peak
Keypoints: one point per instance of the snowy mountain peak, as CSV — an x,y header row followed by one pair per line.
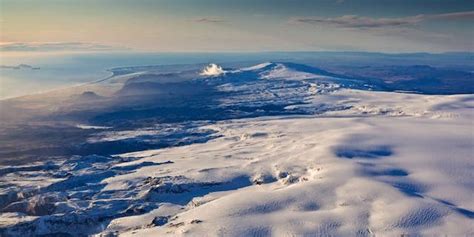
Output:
x,y
284,71
258,66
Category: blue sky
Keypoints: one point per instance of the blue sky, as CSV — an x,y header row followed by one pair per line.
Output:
x,y
244,25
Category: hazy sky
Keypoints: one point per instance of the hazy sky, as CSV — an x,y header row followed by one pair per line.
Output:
x,y
237,25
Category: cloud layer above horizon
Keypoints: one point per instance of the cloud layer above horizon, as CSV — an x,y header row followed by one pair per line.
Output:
x,y
55,46
354,21
245,25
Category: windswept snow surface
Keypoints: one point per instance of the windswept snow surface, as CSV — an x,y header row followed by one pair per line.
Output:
x,y
356,163
408,172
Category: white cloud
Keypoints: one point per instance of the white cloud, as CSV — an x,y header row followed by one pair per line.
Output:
x,y
209,20
354,21
212,70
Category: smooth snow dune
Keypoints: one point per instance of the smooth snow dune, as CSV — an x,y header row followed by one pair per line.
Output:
x,y
338,176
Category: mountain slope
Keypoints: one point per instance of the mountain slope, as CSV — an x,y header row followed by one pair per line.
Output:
x,y
272,149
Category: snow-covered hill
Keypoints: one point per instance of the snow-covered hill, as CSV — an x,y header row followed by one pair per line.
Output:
x,y
274,149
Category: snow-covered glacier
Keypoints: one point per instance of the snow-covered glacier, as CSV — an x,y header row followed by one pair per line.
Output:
x,y
272,149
